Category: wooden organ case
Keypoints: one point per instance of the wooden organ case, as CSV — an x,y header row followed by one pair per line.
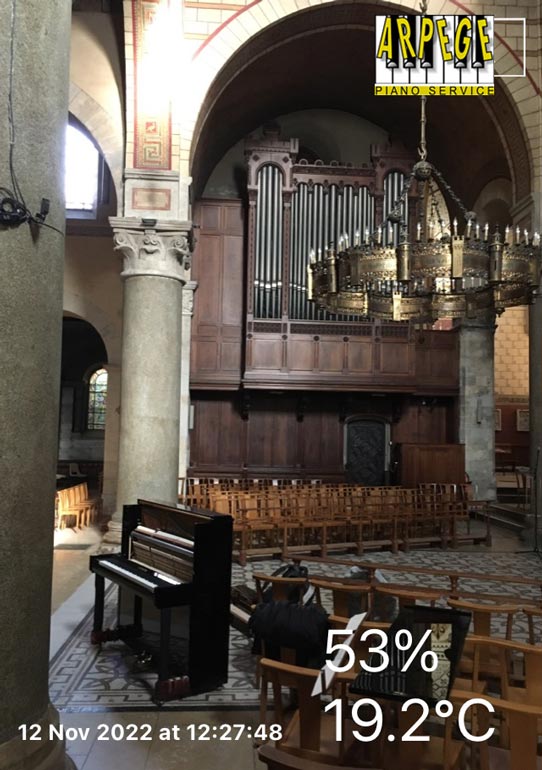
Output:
x,y
295,208
269,366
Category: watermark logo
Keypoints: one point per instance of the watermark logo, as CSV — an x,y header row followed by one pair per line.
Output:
x,y
434,55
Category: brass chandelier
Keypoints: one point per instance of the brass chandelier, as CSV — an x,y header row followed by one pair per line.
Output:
x,y
434,275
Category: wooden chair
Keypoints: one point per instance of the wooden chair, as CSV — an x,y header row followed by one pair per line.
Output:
x,y
482,616
277,759
533,613
523,721
406,594
281,587
344,593
310,733
520,674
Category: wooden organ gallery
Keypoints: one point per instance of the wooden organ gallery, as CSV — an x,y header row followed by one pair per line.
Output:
x,y
299,392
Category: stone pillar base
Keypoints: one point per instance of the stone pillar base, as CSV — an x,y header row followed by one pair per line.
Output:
x,y
113,536
45,754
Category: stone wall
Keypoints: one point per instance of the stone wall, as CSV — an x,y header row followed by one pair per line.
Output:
x,y
512,354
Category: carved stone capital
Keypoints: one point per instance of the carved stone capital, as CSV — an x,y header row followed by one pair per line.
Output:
x,y
188,297
153,248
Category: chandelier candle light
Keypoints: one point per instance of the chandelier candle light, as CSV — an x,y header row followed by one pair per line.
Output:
x,y
438,275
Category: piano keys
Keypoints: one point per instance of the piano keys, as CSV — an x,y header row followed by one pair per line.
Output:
x,y
172,557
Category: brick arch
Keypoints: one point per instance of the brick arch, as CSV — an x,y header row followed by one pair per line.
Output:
x,y
102,128
255,31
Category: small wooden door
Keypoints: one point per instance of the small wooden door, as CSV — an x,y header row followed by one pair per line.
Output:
x,y
367,452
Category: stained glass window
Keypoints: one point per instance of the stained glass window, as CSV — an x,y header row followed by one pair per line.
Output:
x,y
97,396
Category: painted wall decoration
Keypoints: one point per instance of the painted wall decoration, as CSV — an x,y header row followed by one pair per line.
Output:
x,y
152,92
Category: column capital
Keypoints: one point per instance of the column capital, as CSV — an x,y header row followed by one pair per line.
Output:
x,y
188,297
488,322
153,248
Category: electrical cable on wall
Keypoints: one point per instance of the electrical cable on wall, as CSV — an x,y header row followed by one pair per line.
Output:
x,y
13,209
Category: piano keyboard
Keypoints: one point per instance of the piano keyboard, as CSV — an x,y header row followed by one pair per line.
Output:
x,y
133,575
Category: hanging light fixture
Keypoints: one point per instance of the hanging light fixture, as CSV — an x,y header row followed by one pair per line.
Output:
x,y
432,273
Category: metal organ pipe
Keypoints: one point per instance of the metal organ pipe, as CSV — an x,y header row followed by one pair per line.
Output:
x,y
277,242
268,252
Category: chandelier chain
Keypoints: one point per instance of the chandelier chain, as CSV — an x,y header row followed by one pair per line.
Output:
x,y
451,193
422,149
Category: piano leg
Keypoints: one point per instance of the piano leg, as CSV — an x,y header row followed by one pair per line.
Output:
x,y
138,611
168,689
96,636
165,634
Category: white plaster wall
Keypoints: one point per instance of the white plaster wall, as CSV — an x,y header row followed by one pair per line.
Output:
x,y
93,291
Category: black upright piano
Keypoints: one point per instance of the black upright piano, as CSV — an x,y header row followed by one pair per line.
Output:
x,y
173,556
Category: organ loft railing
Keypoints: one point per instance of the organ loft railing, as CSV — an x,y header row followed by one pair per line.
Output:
x,y
298,209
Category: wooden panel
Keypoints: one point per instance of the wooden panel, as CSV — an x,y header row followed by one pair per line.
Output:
x,y
431,463
331,355
423,423
207,304
206,355
323,441
208,217
395,358
233,220
301,355
360,356
218,306
266,353
286,435
232,281
230,356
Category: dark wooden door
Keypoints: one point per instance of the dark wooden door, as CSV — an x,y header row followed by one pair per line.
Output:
x,y
366,452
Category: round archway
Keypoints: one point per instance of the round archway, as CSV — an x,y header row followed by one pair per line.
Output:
x,y
323,57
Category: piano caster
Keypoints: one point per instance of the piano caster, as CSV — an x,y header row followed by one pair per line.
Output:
x,y
171,689
143,661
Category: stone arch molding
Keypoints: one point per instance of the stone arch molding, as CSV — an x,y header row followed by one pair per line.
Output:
x,y
77,305
102,128
260,14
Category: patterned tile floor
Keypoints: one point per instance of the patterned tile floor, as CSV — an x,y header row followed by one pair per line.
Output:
x,y
83,679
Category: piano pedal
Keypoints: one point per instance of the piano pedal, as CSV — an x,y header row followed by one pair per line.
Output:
x,y
114,634
108,635
172,689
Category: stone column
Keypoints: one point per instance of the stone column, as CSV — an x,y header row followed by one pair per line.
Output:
x,y
535,411
111,443
535,384
184,434
31,265
477,405
156,263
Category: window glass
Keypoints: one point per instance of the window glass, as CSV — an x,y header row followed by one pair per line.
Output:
x,y
97,395
82,163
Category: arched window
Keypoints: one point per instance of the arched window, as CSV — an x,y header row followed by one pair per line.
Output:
x,y
82,172
97,395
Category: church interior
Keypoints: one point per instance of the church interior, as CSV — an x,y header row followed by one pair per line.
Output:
x,y
269,343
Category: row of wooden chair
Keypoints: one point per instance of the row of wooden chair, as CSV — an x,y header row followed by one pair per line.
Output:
x,y
337,517
506,674
75,508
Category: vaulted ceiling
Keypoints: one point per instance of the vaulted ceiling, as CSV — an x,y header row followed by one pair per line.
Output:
x,y
324,57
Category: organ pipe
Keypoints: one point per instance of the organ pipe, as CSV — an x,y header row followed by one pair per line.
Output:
x,y
268,256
